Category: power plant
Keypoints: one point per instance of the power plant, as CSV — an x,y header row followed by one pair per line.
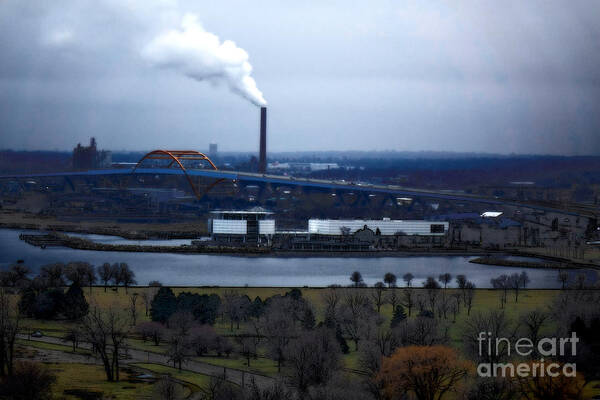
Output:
x,y
262,157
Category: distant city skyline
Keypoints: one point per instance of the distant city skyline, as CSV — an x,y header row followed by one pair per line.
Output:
x,y
482,77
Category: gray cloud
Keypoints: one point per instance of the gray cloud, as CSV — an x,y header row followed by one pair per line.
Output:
x,y
479,76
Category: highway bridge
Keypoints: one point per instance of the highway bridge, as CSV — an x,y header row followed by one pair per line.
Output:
x,y
333,185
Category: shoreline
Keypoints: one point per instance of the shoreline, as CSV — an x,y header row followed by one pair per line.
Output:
x,y
147,234
76,243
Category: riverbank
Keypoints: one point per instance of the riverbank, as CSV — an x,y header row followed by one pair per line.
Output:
x,y
490,260
132,231
485,257
63,240
59,239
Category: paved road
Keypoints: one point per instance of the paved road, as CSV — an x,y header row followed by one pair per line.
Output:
x,y
139,356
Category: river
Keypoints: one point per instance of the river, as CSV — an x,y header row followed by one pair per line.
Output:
x,y
225,270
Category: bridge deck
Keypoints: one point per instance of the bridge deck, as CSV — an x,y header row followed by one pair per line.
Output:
x,y
304,182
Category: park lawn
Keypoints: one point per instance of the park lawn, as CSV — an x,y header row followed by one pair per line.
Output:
x,y
485,299
148,345
51,346
196,380
54,328
259,365
352,359
91,378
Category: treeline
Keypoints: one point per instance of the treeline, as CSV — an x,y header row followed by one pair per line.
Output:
x,y
44,297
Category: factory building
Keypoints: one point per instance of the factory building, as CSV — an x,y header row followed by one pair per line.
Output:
x,y
253,226
257,226
384,227
89,157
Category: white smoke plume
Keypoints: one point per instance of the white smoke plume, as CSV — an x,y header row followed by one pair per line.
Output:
x,y
201,55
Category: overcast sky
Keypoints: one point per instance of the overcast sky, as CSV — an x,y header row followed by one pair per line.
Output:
x,y
484,76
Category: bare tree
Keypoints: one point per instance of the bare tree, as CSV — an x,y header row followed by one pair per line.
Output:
x,y
10,319
432,288
357,279
16,276
392,298
278,328
468,296
248,341
331,298
408,299
422,331
484,328
147,297
53,274
105,272
116,275
73,335
390,279
180,347
455,305
179,350
235,307
457,299
514,281
107,331
408,278
356,314
532,323
81,273
461,281
126,276
151,330
524,278
167,389
501,283
133,308
421,302
444,305
313,358
377,295
580,279
563,278
445,279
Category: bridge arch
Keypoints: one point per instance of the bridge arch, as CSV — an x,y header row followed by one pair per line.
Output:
x,y
177,157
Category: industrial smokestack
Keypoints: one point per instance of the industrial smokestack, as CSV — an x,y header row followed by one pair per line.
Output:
x,y
262,157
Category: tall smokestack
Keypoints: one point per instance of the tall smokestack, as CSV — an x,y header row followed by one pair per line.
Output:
x,y
262,157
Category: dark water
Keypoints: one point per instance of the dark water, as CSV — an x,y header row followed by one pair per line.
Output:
x,y
199,269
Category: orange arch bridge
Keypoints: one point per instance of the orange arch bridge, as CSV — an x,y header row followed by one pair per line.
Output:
x,y
177,158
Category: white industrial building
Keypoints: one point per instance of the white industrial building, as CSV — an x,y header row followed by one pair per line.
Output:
x,y
255,225
384,227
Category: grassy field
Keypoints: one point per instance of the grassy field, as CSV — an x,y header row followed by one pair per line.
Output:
x,y
52,346
73,378
196,381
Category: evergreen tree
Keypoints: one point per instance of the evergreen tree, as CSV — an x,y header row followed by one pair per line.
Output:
x,y
27,302
308,319
74,304
163,305
48,304
399,316
340,339
257,308
295,294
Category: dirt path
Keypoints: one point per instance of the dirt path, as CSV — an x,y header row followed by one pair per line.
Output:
x,y
236,376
